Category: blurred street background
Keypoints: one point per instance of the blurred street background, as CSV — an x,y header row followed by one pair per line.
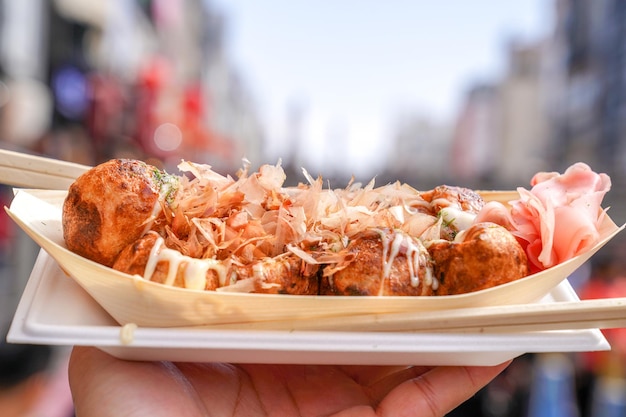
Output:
x,y
481,94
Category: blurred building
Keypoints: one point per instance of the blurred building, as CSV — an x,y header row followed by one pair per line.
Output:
x,y
503,129
419,154
594,64
146,79
475,141
561,99
500,136
591,122
524,125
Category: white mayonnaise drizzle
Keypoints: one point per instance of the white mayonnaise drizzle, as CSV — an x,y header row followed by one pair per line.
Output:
x,y
415,253
150,220
458,218
194,272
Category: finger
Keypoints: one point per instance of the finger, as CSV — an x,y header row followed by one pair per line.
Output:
x,y
243,390
438,391
378,389
320,389
104,386
368,375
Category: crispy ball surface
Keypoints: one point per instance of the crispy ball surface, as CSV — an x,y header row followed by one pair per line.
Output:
x,y
107,208
488,256
285,275
365,275
446,195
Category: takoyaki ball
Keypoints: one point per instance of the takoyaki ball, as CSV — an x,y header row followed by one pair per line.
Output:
x,y
488,255
446,196
457,207
383,262
282,275
109,207
168,266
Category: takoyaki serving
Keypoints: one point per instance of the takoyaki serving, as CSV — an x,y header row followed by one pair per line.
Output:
x,y
201,230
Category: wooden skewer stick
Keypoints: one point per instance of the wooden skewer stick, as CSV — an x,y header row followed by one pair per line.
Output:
x,y
31,171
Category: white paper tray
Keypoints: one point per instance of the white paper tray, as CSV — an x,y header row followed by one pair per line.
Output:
x,y
55,310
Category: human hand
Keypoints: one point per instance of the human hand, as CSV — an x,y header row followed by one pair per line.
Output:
x,y
104,386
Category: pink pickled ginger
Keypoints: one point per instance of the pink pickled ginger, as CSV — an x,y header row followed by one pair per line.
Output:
x,y
558,218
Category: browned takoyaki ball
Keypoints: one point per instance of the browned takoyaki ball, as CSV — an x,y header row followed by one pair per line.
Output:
x,y
488,255
282,275
446,196
397,270
109,207
135,257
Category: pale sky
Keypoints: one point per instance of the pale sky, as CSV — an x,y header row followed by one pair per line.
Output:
x,y
354,65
